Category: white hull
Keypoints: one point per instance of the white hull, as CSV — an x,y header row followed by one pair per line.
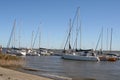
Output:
x,y
23,53
81,58
17,52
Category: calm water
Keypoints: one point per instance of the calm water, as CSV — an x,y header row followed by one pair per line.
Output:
x,y
74,69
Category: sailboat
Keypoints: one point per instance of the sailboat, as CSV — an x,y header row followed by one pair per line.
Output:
x,y
75,54
14,50
33,52
109,56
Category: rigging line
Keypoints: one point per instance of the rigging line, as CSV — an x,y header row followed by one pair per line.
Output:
x,y
75,43
68,38
77,33
71,27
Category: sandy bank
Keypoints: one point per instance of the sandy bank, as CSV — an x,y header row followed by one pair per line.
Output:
x,y
7,74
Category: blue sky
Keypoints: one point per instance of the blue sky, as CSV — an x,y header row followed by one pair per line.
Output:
x,y
53,18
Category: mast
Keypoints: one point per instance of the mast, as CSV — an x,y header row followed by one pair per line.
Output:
x,y
80,36
35,37
100,36
12,35
107,41
32,39
111,40
69,34
102,39
76,40
78,29
80,33
39,37
19,35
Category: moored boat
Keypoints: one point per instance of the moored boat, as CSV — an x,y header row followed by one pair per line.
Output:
x,y
107,58
79,57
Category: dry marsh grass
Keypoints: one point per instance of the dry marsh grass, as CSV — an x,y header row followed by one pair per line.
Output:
x,y
10,61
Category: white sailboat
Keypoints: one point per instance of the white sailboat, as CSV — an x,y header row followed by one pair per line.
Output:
x,y
33,52
74,54
14,50
82,56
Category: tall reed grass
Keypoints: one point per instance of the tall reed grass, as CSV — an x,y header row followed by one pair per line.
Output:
x,y
7,60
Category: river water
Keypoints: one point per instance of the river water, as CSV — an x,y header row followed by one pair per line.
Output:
x,y
54,65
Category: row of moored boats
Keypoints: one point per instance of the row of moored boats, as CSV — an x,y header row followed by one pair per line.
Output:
x,y
90,55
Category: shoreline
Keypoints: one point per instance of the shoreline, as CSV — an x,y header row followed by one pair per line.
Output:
x,y
15,74
8,74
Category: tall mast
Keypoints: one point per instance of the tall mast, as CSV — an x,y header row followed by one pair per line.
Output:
x,y
70,34
80,31
111,40
77,27
100,36
35,37
76,41
102,39
12,34
39,37
32,40
19,36
107,41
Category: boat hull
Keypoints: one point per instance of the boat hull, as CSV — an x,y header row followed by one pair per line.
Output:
x,y
80,58
107,58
